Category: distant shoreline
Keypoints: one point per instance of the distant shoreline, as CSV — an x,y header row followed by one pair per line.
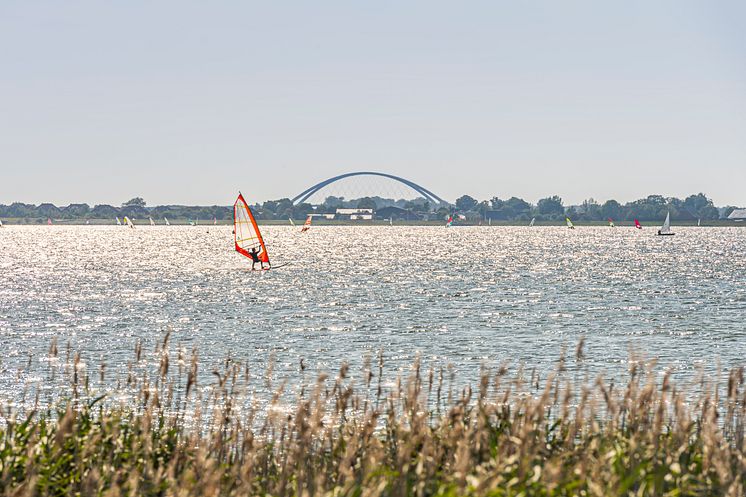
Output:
x,y
319,222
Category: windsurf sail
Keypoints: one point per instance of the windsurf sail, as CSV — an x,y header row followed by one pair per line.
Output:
x,y
49,221
128,222
569,223
611,223
307,224
533,220
699,222
246,233
638,225
214,220
152,223
119,223
292,223
166,220
1,223
450,222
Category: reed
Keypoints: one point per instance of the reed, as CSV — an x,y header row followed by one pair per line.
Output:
x,y
162,432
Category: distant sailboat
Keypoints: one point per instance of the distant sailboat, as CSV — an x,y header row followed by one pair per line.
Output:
x,y
214,220
699,222
1,223
119,223
531,224
450,222
666,228
638,225
49,221
152,223
166,220
292,223
391,221
611,223
307,224
128,222
569,223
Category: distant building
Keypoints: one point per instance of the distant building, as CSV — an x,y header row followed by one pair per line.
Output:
x,y
355,214
397,213
737,215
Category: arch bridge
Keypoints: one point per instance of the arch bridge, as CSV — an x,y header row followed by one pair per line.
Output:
x,y
430,196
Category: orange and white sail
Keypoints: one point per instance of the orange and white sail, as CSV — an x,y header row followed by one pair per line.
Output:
x,y
307,224
246,233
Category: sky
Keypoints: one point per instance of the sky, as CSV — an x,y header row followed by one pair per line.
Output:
x,y
186,102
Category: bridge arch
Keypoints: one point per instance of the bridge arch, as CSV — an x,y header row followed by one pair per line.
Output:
x,y
430,196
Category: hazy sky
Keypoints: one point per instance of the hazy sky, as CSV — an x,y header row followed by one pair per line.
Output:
x,y
188,102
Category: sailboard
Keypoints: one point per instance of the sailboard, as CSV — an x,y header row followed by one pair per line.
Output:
x,y
246,234
531,224
450,222
119,223
307,224
152,223
128,222
699,222
292,223
1,223
611,223
665,230
166,220
638,225
49,221
569,223
214,220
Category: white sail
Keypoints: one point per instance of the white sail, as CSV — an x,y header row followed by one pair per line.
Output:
x,y
128,222
119,223
569,223
166,220
666,228
152,223
1,223
292,223
533,220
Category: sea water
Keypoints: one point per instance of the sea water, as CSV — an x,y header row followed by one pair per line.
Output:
x,y
464,297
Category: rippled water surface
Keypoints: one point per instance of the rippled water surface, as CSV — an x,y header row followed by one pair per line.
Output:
x,y
467,295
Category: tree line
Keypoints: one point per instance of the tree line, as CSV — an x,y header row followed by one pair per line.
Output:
x,y
650,208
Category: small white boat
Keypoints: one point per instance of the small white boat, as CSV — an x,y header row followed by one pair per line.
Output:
x,y
665,230
166,220
531,224
1,223
152,223
119,223
128,222
569,223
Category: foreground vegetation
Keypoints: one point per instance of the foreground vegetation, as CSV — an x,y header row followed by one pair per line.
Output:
x,y
512,434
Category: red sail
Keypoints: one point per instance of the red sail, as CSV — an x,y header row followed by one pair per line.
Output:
x,y
638,225
246,233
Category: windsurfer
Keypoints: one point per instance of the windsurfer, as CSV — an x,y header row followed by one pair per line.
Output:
x,y
254,254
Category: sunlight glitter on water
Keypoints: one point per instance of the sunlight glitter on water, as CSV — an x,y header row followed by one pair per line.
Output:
x,y
467,296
